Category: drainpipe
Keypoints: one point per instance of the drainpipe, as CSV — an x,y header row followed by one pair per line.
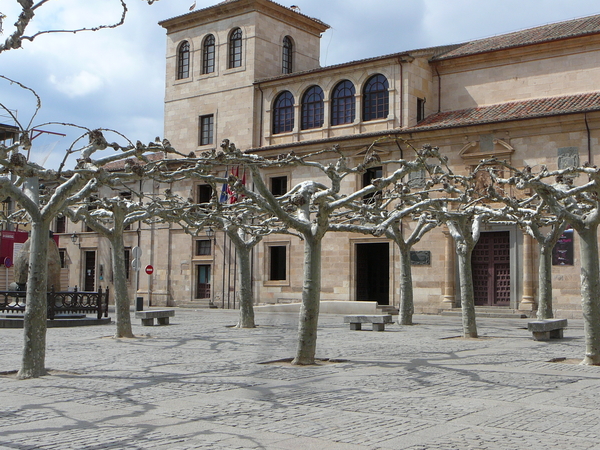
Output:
x,y
439,90
401,93
589,140
262,96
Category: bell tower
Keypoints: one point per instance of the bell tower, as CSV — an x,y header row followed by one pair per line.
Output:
x,y
214,56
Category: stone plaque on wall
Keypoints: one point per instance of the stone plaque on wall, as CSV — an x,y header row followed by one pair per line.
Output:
x,y
568,157
486,143
420,258
416,180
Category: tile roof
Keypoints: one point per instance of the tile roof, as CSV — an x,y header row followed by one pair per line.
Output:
x,y
408,54
545,33
528,109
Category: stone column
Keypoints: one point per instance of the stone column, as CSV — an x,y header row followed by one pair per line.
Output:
x,y
527,301
448,299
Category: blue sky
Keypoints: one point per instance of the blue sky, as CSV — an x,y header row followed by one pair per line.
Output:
x,y
115,78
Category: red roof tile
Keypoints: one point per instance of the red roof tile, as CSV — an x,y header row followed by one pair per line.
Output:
x,y
551,32
527,109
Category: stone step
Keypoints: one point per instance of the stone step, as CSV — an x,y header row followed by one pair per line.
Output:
x,y
494,312
387,309
197,304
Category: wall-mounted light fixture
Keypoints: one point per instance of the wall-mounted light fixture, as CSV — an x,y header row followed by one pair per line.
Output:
x,y
210,233
75,239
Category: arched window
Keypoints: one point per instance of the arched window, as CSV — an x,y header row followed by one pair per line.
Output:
x,y
283,113
312,108
183,60
376,104
208,54
235,48
343,103
288,55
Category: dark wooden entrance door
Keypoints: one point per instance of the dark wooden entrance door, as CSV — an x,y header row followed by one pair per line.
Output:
x,y
491,269
372,273
89,276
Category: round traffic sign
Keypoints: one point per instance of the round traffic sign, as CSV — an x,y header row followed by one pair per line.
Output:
x,y
7,262
149,269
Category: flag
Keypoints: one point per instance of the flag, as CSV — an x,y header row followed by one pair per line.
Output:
x,y
224,189
232,195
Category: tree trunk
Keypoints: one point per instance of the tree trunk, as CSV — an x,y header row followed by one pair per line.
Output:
x,y
407,308
122,303
311,297
34,323
590,292
246,297
545,283
467,296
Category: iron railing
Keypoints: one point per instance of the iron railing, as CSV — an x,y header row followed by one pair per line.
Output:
x,y
73,302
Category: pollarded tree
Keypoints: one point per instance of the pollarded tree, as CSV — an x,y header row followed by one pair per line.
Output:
x,y
242,221
309,208
463,216
580,206
535,218
110,217
384,214
21,182
21,179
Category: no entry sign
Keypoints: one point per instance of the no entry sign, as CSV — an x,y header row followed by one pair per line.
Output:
x,y
149,269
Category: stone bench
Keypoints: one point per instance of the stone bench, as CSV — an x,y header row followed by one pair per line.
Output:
x,y
377,321
162,315
544,330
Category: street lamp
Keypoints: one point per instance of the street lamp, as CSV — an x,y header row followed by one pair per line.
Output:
x,y
210,233
75,239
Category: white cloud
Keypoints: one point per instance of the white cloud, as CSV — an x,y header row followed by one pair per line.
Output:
x,y
78,85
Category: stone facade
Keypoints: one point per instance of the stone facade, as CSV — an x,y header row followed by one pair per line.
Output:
x,y
529,97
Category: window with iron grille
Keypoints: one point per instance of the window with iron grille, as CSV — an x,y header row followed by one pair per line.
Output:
x,y
206,129
312,108
343,103
235,48
288,55
283,113
376,98
208,54
183,60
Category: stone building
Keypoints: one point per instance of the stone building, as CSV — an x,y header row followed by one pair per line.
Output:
x,y
248,71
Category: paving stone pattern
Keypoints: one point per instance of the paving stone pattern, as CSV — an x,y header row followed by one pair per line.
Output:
x,y
201,384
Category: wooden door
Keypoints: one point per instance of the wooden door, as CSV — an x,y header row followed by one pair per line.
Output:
x,y
491,269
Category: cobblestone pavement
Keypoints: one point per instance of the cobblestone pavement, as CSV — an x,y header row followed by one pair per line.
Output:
x,y
200,384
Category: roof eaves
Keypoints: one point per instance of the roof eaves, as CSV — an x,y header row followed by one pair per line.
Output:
x,y
208,8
